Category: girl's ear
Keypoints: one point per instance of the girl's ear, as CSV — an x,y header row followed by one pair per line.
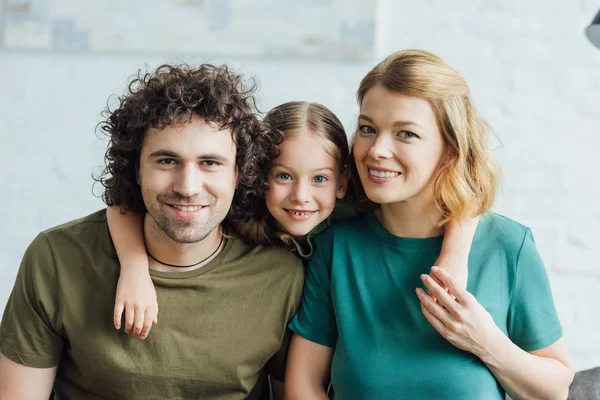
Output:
x,y
343,183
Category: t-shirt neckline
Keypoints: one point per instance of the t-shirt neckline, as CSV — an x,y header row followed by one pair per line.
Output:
x,y
398,241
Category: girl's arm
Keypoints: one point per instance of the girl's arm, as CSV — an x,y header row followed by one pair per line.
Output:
x,y
135,290
456,247
462,320
307,370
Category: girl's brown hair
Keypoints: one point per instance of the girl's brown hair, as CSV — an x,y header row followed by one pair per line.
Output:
x,y
468,180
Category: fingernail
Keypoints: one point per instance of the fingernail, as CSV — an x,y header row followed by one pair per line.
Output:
x,y
423,277
435,269
419,290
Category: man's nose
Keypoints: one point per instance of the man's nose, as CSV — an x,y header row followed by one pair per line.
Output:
x,y
189,181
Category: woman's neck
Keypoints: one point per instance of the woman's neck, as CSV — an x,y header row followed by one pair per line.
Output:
x,y
411,219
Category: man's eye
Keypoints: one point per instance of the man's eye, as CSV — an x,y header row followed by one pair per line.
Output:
x,y
366,129
210,163
166,161
320,179
284,176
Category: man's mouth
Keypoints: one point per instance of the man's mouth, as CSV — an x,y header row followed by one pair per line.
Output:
x,y
186,208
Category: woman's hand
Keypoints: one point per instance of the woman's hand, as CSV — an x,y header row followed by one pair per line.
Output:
x,y
456,314
137,296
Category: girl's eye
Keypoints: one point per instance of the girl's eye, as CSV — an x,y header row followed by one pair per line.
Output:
x,y
284,176
366,129
406,135
320,179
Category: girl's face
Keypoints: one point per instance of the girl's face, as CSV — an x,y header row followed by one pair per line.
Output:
x,y
304,183
398,147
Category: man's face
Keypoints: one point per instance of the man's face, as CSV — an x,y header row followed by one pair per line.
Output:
x,y
188,176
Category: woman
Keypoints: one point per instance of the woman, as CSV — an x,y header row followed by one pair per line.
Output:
x,y
420,155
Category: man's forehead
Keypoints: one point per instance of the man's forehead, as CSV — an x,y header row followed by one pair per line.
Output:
x,y
194,135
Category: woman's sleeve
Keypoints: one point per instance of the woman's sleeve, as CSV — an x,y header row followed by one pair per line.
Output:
x,y
533,322
315,320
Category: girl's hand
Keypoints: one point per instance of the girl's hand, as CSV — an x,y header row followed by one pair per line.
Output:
x,y
456,314
137,296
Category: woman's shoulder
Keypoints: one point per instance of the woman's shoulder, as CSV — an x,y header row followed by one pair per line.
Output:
x,y
343,228
503,231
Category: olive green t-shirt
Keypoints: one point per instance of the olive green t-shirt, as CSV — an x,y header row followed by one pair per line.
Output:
x,y
220,327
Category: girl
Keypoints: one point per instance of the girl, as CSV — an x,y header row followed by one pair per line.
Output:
x,y
305,181
420,153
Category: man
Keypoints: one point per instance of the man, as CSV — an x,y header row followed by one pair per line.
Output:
x,y
185,147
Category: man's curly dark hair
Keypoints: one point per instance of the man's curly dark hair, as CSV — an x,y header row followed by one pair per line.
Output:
x,y
174,94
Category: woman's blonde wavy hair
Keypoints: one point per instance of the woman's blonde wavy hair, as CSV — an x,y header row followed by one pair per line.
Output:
x,y
293,119
469,178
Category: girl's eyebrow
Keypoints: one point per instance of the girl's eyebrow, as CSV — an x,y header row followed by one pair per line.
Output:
x,y
278,164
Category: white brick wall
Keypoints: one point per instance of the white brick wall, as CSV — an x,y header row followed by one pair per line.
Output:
x,y
532,72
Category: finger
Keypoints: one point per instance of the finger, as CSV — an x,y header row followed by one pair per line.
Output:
x,y
148,320
439,283
436,323
129,319
440,294
138,325
461,295
118,314
433,307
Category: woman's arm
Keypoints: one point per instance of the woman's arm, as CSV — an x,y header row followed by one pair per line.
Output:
x,y
135,291
454,256
307,371
540,374
543,374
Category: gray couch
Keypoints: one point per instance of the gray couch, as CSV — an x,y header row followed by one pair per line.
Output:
x,y
586,385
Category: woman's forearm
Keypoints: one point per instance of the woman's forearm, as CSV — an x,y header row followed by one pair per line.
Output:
x,y
524,375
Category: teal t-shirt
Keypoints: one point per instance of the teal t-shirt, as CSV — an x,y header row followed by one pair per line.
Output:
x,y
359,298
343,209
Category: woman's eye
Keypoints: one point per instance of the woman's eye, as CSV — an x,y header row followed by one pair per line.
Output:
x,y
407,135
320,179
366,129
284,176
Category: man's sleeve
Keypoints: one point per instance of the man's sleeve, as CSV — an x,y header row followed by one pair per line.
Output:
x,y
28,334
276,365
533,322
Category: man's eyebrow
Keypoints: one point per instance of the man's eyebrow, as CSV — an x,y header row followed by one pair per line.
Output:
x,y
213,156
163,153
172,154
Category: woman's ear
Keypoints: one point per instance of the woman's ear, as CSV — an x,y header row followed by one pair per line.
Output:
x,y
342,186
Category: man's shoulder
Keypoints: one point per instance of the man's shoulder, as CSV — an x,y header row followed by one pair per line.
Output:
x,y
88,231
269,256
95,219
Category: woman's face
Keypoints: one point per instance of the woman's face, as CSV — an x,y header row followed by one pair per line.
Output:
x,y
398,147
303,184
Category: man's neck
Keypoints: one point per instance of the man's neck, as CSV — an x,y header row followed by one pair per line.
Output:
x,y
166,251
